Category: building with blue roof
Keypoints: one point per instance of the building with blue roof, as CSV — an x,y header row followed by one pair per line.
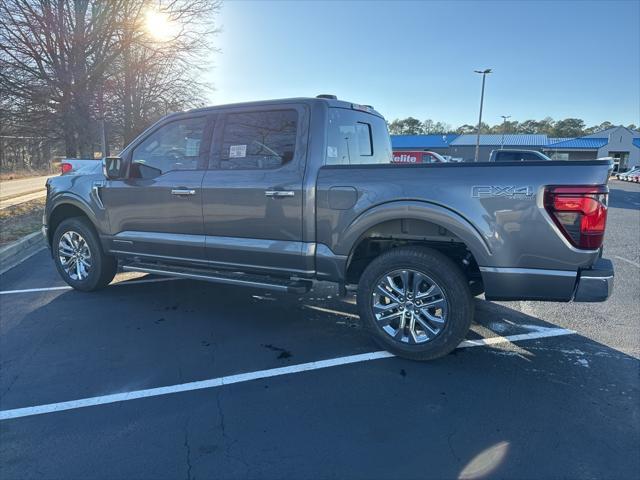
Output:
x,y
619,143
435,143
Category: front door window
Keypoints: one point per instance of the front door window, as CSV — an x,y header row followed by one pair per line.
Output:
x,y
174,146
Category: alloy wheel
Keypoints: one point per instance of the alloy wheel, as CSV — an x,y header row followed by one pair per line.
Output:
x,y
409,306
74,255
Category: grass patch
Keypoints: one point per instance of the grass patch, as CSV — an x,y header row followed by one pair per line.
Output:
x,y
21,220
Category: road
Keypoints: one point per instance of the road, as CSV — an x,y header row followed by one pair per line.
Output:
x,y
551,390
13,192
13,188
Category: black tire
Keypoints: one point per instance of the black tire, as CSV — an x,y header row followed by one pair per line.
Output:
x,y
103,267
448,277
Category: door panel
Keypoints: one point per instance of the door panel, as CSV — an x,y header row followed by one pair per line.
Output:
x,y
147,219
252,195
157,211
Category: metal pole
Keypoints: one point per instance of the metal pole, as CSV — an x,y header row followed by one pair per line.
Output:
x,y
484,74
504,124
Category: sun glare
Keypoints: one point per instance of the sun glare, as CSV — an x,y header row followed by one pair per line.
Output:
x,y
159,26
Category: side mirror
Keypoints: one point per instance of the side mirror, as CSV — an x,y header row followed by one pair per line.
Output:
x,y
114,168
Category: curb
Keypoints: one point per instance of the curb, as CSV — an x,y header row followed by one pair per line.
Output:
x,y
17,252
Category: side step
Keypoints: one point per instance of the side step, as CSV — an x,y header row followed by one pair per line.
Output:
x,y
230,278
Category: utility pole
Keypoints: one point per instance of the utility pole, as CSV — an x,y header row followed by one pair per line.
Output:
x,y
484,75
504,125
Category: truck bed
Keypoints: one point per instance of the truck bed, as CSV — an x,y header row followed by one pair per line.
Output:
x,y
495,210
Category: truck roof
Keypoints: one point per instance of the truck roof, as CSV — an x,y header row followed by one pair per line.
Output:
x,y
331,102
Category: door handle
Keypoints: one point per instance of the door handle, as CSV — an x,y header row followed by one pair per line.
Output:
x,y
279,193
182,191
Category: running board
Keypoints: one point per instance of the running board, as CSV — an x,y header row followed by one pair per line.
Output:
x,y
231,278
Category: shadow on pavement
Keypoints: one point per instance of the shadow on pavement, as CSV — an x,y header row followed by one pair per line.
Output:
x,y
562,407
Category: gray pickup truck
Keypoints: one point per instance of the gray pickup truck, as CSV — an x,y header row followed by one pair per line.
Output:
x,y
278,194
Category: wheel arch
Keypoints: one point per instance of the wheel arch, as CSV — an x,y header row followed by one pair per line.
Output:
x,y
68,206
413,223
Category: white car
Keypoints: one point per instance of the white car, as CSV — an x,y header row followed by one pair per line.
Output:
x,y
627,175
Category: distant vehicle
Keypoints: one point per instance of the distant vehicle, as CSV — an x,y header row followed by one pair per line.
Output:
x,y
511,155
414,157
69,165
625,175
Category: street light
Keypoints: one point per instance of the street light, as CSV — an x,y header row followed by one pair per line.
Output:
x,y
484,74
504,124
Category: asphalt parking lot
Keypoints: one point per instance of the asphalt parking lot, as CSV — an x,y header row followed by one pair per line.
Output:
x,y
540,390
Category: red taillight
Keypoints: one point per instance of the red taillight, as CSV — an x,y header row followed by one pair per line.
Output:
x,y
580,213
65,168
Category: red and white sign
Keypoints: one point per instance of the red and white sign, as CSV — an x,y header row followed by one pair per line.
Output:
x,y
407,157
412,157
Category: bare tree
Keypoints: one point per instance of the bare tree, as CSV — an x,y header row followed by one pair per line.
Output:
x,y
67,67
159,73
53,54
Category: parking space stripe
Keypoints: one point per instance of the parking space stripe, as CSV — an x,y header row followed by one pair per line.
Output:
x,y
631,262
67,287
249,376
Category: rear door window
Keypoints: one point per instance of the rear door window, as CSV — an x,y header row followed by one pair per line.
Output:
x,y
530,157
258,140
507,157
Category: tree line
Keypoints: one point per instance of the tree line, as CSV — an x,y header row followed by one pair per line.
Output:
x,y
86,76
569,127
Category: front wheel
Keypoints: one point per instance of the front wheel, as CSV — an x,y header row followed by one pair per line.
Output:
x,y
79,257
415,302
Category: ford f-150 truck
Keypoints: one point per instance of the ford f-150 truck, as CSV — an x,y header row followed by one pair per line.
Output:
x,y
278,194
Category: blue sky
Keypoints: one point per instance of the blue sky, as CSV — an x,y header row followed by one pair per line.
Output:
x,y
550,58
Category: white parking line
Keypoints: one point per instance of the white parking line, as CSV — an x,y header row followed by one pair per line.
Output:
x,y
247,377
635,264
66,287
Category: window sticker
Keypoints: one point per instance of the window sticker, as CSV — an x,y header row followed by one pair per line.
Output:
x,y
192,147
237,151
332,152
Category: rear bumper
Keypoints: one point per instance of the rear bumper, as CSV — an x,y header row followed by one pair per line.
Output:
x,y
596,283
590,285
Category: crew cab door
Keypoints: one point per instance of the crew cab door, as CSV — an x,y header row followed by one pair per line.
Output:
x,y
253,194
156,212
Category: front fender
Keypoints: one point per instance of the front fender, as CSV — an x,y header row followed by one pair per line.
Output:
x,y
57,200
415,210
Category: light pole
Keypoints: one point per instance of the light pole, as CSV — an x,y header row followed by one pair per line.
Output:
x,y
504,124
484,74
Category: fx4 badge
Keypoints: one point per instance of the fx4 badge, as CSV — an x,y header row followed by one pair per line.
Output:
x,y
511,191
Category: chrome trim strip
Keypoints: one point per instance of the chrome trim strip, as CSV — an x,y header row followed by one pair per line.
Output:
x,y
95,189
209,278
529,271
609,277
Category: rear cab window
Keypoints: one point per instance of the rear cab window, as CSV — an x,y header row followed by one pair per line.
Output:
x,y
355,138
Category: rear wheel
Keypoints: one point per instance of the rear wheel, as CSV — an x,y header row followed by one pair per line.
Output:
x,y
79,257
415,302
